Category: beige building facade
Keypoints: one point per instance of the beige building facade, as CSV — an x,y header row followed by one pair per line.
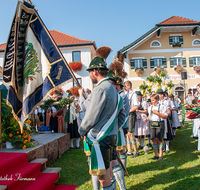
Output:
x,y
175,41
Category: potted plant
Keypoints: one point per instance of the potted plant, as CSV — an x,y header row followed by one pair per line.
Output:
x,y
158,69
76,66
139,71
12,133
176,44
178,68
196,68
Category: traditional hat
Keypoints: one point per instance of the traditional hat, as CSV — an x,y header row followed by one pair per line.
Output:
x,y
160,91
171,96
138,93
111,75
149,100
99,61
119,81
189,92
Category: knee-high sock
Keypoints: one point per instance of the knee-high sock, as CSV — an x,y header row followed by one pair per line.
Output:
x,y
119,176
167,145
139,140
123,158
71,143
77,142
95,182
174,132
113,180
142,141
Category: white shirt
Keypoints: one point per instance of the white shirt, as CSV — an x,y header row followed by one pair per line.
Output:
x,y
133,99
162,110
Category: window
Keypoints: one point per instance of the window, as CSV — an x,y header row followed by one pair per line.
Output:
x,y
155,43
74,83
196,42
194,61
158,61
175,41
178,61
138,63
76,56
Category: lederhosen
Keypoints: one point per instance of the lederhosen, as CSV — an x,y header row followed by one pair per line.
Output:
x,y
132,118
157,128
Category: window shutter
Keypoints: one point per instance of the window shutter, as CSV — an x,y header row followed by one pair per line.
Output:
x,y
144,63
171,62
184,62
171,40
132,64
152,63
191,61
164,62
181,39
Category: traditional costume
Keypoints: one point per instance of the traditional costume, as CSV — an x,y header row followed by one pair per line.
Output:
x,y
196,124
141,128
100,125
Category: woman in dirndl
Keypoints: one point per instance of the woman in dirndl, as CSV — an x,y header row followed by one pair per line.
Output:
x,y
196,122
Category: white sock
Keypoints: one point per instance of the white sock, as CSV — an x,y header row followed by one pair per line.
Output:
x,y
95,182
174,132
142,141
77,142
71,143
119,176
167,145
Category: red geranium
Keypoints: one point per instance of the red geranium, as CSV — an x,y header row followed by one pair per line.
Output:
x,y
198,100
76,66
74,91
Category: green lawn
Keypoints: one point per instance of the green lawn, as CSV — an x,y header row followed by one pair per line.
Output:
x,y
180,169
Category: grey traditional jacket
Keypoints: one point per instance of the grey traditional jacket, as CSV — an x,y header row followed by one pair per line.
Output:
x,y
100,107
126,105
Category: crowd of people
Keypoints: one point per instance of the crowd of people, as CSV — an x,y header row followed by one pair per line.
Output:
x,y
114,119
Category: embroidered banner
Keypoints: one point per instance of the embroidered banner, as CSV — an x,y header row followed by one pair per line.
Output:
x,y
40,70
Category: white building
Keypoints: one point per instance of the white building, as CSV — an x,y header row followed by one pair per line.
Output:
x,y
73,49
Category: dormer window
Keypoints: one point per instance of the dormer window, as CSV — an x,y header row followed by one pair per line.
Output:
x,y
155,43
175,41
196,42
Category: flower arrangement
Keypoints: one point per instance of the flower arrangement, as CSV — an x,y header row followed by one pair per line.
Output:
x,y
57,92
170,85
196,68
139,71
76,66
74,91
11,130
178,68
143,87
158,69
176,44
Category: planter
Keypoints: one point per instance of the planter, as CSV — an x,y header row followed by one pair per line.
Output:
x,y
9,145
179,70
139,72
159,70
176,45
76,66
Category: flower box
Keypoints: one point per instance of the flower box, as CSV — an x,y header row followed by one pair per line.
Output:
x,y
177,44
196,68
178,69
76,66
139,71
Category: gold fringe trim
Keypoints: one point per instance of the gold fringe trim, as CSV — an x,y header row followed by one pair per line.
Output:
x,y
98,172
119,148
87,153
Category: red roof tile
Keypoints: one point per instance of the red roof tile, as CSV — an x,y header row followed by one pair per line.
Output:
x,y
60,39
3,46
178,20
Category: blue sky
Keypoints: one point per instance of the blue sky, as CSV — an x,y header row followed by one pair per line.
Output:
x,y
107,22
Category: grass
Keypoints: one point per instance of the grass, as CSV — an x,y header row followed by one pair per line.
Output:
x,y
180,169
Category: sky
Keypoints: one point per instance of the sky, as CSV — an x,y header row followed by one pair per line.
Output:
x,y
112,23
